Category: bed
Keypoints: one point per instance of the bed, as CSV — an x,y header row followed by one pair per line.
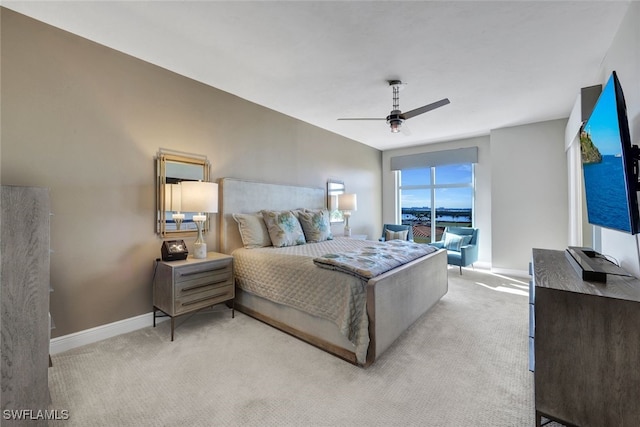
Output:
x,y
383,306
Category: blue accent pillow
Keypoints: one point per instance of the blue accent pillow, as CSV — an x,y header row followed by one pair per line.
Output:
x,y
284,228
315,225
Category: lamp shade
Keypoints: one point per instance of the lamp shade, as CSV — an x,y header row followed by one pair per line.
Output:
x,y
198,196
172,197
347,202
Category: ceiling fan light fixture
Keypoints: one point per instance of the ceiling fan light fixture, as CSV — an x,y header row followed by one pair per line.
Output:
x,y
396,118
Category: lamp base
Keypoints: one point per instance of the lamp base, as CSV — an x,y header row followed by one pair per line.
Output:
x,y
199,246
347,229
200,250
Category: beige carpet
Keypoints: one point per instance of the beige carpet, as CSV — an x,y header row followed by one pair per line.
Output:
x,y
462,364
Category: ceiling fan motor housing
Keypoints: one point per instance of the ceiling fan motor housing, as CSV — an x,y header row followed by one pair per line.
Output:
x,y
394,120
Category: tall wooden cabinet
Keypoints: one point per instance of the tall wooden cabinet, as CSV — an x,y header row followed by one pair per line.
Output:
x,y
586,343
24,293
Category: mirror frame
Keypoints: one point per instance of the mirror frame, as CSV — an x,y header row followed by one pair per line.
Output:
x,y
334,187
162,158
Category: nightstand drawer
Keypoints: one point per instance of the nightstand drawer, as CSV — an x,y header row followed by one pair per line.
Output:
x,y
199,283
202,271
210,296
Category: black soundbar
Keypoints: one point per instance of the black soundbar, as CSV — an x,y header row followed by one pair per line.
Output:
x,y
591,265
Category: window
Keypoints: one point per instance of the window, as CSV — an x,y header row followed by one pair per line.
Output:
x,y
433,198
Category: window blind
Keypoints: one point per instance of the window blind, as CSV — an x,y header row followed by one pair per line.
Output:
x,y
435,158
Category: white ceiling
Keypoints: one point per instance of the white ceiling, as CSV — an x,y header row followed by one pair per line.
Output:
x,y
500,63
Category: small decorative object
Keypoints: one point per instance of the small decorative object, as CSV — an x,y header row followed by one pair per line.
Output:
x,y
174,250
200,197
347,202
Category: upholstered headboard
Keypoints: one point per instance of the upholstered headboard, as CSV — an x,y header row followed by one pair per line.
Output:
x,y
240,196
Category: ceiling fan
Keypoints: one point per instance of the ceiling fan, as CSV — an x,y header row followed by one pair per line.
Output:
x,y
396,117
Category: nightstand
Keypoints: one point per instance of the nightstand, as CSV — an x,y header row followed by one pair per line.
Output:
x,y
181,287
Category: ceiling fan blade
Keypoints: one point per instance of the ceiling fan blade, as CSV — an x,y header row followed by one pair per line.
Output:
x,y
425,108
363,118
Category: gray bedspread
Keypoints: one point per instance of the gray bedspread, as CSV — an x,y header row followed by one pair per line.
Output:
x,y
375,258
289,276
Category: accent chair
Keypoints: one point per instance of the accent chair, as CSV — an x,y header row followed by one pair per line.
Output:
x,y
396,231
461,244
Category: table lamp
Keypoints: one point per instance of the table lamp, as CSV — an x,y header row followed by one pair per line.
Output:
x,y
200,197
347,202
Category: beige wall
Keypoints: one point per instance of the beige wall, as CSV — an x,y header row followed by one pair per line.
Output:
x,y
86,121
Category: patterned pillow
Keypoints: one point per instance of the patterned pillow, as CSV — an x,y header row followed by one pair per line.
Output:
x,y
395,235
253,230
284,228
452,242
315,225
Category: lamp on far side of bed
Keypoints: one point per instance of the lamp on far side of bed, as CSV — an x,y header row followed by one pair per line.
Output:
x,y
201,197
347,203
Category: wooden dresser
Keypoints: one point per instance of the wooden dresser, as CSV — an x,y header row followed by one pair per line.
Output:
x,y
586,345
181,287
25,303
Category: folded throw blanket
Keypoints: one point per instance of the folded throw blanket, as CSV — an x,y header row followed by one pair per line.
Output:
x,y
373,260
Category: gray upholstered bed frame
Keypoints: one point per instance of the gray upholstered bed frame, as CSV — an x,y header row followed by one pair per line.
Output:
x,y
395,300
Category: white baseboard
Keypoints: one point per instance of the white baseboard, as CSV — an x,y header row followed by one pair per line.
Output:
x,y
99,333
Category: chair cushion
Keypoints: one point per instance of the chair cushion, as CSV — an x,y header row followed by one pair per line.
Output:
x,y
395,235
452,242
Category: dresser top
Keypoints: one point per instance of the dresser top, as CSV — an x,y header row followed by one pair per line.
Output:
x,y
211,256
552,270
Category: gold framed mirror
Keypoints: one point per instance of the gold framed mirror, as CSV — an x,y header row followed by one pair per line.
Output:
x,y
334,187
173,167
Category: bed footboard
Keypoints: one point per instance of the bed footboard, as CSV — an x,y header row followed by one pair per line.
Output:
x,y
397,299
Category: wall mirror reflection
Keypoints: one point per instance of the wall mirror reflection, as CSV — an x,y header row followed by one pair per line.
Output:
x,y
334,187
172,168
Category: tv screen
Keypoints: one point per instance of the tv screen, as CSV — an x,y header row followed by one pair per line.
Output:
x,y
608,163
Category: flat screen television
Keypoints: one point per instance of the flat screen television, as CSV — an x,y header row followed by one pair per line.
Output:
x,y
609,163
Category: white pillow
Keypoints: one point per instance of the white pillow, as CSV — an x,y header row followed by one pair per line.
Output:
x,y
253,230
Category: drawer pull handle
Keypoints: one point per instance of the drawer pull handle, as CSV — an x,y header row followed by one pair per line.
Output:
x,y
190,288
184,304
202,271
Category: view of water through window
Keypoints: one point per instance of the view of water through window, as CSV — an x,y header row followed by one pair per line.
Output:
x,y
434,198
